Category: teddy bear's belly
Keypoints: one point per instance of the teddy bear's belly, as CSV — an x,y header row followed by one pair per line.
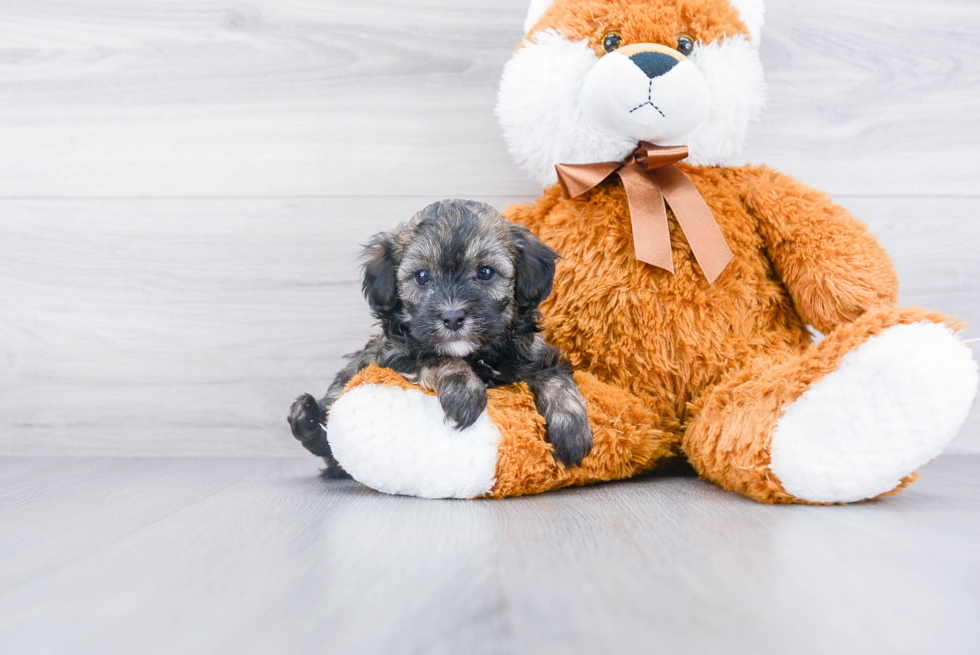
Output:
x,y
671,340
667,335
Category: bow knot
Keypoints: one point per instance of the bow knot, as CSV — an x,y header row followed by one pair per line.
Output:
x,y
651,179
652,157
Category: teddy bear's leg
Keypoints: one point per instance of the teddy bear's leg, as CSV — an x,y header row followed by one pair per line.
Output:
x,y
852,418
391,436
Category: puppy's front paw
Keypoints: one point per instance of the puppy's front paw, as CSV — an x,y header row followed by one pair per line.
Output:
x,y
305,418
463,398
571,435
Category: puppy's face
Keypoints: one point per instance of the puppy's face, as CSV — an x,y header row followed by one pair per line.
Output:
x,y
456,277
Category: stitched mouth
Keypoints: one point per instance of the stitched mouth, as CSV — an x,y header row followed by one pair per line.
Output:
x,y
649,101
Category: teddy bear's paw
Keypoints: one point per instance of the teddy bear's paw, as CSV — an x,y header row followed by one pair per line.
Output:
x,y
397,441
891,406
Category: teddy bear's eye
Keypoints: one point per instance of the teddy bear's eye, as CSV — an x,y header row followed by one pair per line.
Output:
x,y
685,45
611,41
422,278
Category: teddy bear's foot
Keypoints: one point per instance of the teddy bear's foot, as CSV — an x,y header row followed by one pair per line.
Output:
x,y
850,419
891,406
391,436
396,440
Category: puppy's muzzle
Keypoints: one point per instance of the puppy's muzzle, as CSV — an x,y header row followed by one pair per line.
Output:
x,y
453,319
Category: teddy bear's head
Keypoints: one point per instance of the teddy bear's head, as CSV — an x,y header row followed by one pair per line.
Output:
x,y
592,78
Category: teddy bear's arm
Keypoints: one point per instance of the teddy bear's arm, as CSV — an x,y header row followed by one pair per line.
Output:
x,y
833,267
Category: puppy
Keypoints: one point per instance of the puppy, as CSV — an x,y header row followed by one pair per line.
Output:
x,y
456,291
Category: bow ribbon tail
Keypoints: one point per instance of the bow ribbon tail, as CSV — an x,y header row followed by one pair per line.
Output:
x,y
576,179
696,220
651,232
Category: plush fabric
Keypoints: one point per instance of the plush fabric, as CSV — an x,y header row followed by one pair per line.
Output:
x,y
543,88
725,376
627,437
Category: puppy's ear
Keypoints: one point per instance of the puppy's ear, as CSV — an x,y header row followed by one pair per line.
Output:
x,y
378,282
534,269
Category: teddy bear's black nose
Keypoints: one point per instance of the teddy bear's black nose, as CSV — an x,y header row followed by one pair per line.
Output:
x,y
654,64
453,319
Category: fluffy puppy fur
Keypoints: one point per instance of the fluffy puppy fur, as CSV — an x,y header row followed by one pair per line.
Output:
x,y
456,291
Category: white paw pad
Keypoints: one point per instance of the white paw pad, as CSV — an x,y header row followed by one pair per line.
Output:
x,y
396,441
893,404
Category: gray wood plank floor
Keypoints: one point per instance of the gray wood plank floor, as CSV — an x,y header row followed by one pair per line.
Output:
x,y
183,186
249,556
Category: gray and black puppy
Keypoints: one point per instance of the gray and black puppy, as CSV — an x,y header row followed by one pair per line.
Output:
x,y
456,291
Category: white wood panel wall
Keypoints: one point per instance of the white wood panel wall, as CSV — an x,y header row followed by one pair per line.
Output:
x,y
183,186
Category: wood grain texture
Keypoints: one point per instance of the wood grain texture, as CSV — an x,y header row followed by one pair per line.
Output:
x,y
186,327
185,184
57,511
108,98
217,556
875,97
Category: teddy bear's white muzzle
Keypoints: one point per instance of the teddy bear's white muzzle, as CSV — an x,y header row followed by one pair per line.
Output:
x,y
647,96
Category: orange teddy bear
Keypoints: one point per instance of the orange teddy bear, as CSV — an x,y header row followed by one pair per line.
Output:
x,y
687,326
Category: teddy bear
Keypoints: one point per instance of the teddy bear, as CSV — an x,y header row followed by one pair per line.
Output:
x,y
718,314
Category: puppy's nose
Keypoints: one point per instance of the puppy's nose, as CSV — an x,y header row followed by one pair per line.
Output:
x,y
654,64
453,319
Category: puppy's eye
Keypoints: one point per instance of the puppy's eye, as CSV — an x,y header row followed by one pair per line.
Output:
x,y
422,278
485,273
611,41
685,44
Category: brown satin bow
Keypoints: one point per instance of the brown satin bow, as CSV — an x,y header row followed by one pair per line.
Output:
x,y
650,178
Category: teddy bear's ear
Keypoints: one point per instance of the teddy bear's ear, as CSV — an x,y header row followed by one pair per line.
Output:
x,y
753,14
535,12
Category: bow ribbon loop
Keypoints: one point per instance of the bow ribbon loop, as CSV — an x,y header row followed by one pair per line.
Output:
x,y
651,179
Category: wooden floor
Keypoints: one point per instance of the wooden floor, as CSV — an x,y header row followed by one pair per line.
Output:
x,y
119,555
183,188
